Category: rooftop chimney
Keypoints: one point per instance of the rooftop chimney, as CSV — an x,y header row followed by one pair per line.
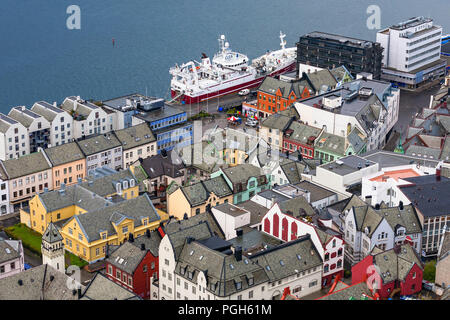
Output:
x,y
189,239
143,246
238,253
400,204
239,232
131,238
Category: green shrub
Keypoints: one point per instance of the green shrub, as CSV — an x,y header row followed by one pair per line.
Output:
x,y
429,272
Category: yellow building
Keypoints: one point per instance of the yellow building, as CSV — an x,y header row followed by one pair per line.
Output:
x,y
197,198
105,186
87,235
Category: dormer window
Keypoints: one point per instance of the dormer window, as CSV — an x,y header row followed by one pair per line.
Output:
x,y
238,285
125,184
190,274
132,183
118,188
103,235
183,271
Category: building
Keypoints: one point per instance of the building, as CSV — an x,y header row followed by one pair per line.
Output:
x,y
370,105
343,291
161,171
168,124
428,194
301,137
135,264
344,175
87,235
38,127
367,227
412,51
124,108
329,147
11,258
288,225
27,176
137,142
394,271
199,197
61,122
244,180
102,150
88,118
40,283
319,197
57,206
14,139
273,128
68,164
329,51
383,186
442,279
52,248
5,206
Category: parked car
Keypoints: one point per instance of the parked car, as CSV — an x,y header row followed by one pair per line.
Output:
x,y
244,92
251,122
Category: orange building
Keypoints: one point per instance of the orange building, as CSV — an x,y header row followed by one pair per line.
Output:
x,y
68,164
275,95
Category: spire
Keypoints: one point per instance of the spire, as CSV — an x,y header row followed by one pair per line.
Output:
x,y
399,147
52,234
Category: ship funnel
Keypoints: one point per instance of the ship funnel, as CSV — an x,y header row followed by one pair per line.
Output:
x,y
222,37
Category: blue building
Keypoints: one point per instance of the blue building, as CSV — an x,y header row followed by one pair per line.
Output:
x,y
168,124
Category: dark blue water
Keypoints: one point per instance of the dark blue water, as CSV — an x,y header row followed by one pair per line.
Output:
x,y
40,59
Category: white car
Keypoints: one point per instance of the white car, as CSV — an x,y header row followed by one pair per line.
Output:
x,y
244,92
251,122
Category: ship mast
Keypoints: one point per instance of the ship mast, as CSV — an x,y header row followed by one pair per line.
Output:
x,y
283,42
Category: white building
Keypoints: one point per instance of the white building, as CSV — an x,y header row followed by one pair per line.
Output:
x,y
230,218
343,174
366,227
195,265
412,52
11,257
61,122
14,140
38,127
382,186
88,118
370,105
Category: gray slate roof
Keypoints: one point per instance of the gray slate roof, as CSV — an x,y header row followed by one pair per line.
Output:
x,y
160,165
46,110
92,222
25,165
64,153
106,185
199,192
316,192
51,234
7,252
205,217
98,143
135,136
39,283
127,257
101,288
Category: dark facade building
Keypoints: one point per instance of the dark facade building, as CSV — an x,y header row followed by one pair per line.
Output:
x,y
329,51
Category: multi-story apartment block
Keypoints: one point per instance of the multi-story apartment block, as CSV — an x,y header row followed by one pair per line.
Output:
x,y
68,164
137,142
38,127
61,122
102,150
370,105
27,176
11,258
88,118
14,140
4,192
412,51
329,51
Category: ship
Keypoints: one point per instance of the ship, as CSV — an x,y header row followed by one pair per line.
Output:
x,y
228,72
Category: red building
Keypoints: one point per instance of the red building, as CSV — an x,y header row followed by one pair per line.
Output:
x,y
300,137
134,264
391,272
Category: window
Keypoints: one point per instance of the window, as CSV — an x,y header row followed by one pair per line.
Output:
x,y
166,262
125,230
313,283
250,294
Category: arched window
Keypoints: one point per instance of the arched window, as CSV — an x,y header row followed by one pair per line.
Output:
x,y
339,263
327,256
284,228
267,225
334,243
276,221
326,268
340,252
293,231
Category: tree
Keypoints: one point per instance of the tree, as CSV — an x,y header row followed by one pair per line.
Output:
x,y
429,272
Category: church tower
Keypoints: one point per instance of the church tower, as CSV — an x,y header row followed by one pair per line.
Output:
x,y
52,248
